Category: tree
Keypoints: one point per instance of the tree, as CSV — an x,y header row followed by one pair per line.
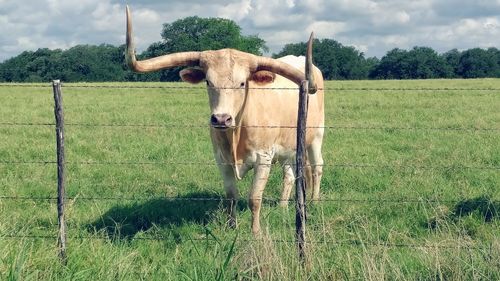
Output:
x,y
479,63
335,60
200,34
452,58
80,63
418,63
390,66
14,69
425,63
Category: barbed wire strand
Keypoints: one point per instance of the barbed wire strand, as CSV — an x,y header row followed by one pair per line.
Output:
x,y
25,85
223,199
184,87
191,126
194,163
180,87
244,240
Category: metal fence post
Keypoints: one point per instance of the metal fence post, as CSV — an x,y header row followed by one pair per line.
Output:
x,y
300,182
61,192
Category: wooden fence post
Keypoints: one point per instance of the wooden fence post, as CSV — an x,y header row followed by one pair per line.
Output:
x,y
300,182
61,192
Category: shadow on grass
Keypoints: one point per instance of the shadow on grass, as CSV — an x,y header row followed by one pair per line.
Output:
x,y
126,220
482,206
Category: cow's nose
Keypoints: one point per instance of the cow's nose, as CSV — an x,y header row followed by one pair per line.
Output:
x,y
222,121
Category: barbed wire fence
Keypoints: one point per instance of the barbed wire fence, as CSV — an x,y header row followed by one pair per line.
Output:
x,y
60,199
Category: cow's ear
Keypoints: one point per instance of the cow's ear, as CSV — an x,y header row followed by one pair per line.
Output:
x,y
263,77
192,75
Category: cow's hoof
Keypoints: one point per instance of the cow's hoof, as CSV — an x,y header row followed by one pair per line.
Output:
x,y
231,223
256,230
284,203
315,200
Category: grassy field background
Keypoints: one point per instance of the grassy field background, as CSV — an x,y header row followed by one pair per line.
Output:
x,y
411,187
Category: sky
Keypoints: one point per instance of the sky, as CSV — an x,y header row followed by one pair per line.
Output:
x,y
371,26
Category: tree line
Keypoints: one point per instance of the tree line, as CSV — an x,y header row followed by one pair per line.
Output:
x,y
106,62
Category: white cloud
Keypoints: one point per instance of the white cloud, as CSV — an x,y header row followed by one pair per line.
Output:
x,y
26,42
107,17
61,7
467,26
396,40
326,29
481,32
492,24
235,11
402,17
291,3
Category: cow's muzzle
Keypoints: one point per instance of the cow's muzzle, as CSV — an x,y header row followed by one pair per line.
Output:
x,y
221,121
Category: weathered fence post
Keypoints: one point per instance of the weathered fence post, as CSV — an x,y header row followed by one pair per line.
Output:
x,y
61,192
308,86
300,182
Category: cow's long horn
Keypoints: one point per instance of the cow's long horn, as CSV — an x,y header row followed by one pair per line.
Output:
x,y
161,62
286,70
309,66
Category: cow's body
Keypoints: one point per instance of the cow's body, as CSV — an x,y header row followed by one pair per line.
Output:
x,y
253,102
265,132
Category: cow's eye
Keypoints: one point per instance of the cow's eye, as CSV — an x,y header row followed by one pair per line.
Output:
x,y
242,84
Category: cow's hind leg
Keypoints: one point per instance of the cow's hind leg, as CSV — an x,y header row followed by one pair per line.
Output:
x,y
308,173
316,163
288,183
232,195
262,169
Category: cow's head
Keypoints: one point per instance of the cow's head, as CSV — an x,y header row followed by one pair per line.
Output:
x,y
226,73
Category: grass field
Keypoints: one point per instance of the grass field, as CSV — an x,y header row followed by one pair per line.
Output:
x,y
411,187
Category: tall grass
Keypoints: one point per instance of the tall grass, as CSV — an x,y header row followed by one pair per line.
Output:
x,y
411,188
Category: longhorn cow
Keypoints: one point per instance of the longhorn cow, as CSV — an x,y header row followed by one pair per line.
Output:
x,y
253,115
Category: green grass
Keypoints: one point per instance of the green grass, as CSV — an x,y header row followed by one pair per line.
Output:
x,y
409,194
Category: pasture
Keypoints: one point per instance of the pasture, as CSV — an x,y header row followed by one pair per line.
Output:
x,y
410,191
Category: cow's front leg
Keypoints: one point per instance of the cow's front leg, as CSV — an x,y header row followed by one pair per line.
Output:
x,y
231,192
262,169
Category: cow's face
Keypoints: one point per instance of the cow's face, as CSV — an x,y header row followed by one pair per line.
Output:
x,y
227,77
